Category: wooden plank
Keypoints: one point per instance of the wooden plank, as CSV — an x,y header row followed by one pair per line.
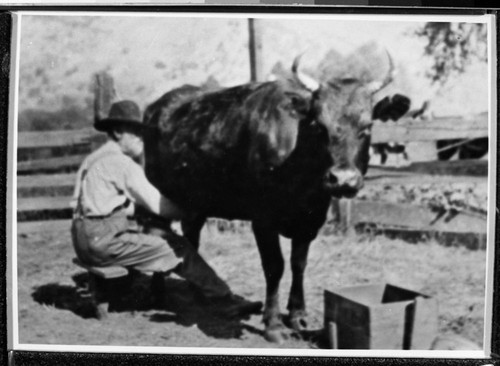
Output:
x,y
403,131
412,179
43,215
43,203
472,167
472,241
414,217
66,179
413,223
65,163
406,130
46,139
425,323
48,185
43,208
32,227
27,228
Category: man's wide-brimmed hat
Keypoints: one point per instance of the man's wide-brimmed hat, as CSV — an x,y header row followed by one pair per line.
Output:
x,y
124,113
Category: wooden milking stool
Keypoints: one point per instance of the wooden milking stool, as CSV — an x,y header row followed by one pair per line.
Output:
x,y
106,284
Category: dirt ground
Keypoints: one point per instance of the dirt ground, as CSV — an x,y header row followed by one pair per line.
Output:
x,y
53,310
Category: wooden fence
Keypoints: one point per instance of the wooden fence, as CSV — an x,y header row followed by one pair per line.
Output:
x,y
440,128
47,162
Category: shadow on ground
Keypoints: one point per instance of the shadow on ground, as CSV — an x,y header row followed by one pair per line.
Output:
x,y
66,297
182,305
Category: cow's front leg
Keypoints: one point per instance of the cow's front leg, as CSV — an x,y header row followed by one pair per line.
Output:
x,y
273,264
191,229
296,303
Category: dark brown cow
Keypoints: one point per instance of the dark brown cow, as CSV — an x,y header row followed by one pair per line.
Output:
x,y
274,153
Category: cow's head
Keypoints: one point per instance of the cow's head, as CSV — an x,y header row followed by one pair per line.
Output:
x,y
343,109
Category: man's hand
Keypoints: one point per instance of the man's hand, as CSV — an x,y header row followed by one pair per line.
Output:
x,y
151,223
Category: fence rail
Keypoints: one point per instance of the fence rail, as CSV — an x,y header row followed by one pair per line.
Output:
x,y
404,130
443,128
54,165
404,218
44,186
48,139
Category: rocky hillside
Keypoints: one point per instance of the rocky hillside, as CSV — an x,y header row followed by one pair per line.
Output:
x,y
148,55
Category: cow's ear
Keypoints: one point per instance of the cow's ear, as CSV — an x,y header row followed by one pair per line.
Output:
x,y
391,108
400,105
380,110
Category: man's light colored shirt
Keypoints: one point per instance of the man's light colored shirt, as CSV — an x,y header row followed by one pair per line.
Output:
x,y
108,177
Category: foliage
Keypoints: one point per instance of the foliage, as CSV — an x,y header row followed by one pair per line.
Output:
x,y
453,47
60,54
149,56
67,118
366,63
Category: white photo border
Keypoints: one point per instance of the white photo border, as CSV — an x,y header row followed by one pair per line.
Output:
x,y
13,339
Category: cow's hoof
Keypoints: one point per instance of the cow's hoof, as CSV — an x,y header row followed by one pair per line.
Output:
x,y
298,323
277,334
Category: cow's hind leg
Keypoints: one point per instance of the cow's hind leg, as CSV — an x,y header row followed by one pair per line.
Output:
x,y
296,303
273,266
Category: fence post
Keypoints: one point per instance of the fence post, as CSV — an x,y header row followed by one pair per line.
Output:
x,y
104,94
345,208
255,49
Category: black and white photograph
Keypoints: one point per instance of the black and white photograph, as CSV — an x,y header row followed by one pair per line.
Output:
x,y
252,183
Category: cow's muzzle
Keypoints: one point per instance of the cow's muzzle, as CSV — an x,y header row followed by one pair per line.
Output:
x,y
344,182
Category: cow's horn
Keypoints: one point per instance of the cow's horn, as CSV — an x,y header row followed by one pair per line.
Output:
x,y
376,86
306,81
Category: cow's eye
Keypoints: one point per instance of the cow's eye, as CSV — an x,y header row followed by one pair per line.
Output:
x,y
292,112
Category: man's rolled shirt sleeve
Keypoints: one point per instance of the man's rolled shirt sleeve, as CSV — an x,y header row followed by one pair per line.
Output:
x,y
140,191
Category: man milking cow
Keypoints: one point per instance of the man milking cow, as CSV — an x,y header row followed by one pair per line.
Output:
x,y
273,153
110,186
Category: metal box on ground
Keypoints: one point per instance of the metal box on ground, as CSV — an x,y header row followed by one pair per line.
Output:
x,y
380,316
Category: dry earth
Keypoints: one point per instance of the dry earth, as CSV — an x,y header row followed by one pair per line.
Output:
x,y
51,310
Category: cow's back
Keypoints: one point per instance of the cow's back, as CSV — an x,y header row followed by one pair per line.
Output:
x,y
197,154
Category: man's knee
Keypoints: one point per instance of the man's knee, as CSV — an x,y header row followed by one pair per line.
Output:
x,y
178,243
